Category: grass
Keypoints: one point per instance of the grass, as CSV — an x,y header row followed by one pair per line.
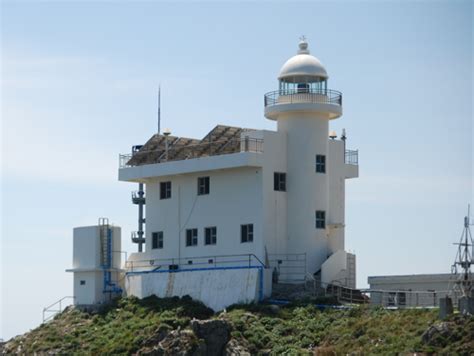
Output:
x,y
124,326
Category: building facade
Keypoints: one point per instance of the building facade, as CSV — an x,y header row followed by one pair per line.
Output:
x,y
241,200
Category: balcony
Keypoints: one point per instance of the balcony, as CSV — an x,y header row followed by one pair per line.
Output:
x,y
176,152
303,99
305,95
351,157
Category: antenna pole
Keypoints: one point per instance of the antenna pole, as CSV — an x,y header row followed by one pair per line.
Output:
x,y
159,109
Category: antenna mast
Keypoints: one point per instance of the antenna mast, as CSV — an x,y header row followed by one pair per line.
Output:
x,y
464,259
159,109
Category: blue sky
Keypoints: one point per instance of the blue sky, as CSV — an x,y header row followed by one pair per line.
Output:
x,y
79,84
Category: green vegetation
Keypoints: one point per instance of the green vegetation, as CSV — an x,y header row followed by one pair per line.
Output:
x,y
129,324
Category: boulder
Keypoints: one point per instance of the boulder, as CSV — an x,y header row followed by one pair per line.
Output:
x,y
234,348
214,332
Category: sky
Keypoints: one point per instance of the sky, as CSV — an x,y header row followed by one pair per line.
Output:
x,y
79,86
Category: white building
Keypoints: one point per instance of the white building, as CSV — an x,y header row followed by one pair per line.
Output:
x,y
416,290
227,213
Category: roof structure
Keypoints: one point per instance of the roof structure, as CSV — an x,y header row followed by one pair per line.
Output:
x,y
220,140
302,67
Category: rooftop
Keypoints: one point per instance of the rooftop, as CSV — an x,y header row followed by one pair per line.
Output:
x,y
220,140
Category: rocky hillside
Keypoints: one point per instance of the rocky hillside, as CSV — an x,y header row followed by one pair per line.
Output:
x,y
176,326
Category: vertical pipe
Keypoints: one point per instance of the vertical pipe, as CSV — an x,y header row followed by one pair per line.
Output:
x,y
140,217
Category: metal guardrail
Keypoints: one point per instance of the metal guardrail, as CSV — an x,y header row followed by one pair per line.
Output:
x,y
303,95
351,157
386,298
52,312
203,149
213,261
290,267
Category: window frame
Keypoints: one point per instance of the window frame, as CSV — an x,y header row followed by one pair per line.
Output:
x,y
279,184
246,233
165,190
191,237
157,240
203,185
320,164
320,221
210,235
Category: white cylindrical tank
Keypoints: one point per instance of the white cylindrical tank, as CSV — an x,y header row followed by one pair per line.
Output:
x,y
97,260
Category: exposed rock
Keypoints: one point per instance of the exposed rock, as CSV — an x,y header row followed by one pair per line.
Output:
x,y
179,343
234,348
214,332
437,334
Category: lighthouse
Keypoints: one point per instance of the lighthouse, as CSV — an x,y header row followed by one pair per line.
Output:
x,y
302,107
233,214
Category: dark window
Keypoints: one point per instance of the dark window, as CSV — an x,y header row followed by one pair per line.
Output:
x,y
303,88
210,235
320,219
320,163
157,240
402,298
83,283
246,233
165,190
191,237
279,182
203,185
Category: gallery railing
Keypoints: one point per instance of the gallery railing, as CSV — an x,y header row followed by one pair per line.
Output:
x,y
352,157
303,95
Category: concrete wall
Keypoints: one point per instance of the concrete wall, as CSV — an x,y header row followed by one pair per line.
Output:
x,y
217,289
307,190
86,247
275,215
235,198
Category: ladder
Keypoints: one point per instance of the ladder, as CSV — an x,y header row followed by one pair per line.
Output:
x,y
105,243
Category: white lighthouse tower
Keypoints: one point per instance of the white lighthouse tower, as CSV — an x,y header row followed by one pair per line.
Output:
x,y
303,107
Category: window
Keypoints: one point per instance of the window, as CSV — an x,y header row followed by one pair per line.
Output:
x,y
157,240
191,237
165,190
246,233
320,219
83,283
210,235
203,185
320,163
279,182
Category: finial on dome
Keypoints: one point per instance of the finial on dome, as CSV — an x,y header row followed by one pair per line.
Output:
x,y
303,45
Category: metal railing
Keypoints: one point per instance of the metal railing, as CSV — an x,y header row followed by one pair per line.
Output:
x,y
213,261
289,267
303,95
351,157
49,312
202,149
386,298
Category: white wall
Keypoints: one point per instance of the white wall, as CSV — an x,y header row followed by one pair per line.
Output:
x,y
307,191
217,289
87,264
235,198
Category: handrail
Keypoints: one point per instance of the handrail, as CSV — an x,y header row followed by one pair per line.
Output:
x,y
49,310
303,95
201,260
351,157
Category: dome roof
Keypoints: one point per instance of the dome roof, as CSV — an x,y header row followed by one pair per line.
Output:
x,y
302,66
